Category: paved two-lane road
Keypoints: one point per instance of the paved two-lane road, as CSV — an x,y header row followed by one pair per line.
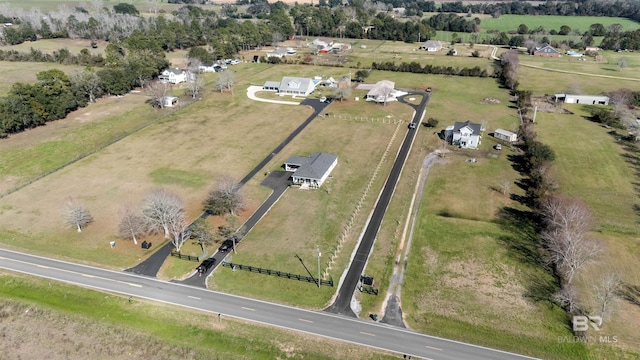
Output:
x,y
318,323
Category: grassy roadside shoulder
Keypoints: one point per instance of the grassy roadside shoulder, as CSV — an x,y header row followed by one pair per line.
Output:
x,y
78,323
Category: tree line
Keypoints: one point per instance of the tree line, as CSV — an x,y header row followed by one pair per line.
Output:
x,y
620,8
61,56
414,67
563,244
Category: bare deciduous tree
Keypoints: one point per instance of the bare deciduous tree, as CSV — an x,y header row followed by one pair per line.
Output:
x,y
386,92
202,233
196,85
178,230
158,91
226,198
605,293
162,211
132,224
342,93
225,81
567,298
565,238
88,82
76,215
505,186
623,63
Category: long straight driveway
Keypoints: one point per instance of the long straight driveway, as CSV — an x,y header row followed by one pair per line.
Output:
x,y
342,303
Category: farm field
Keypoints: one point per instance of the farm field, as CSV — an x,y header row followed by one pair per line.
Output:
x,y
511,22
48,46
583,76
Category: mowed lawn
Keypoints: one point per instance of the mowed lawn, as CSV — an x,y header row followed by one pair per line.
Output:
x,y
511,22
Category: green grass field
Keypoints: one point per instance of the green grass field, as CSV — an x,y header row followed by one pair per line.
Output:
x,y
26,72
511,22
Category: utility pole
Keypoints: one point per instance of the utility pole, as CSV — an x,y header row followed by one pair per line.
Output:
x,y
319,254
535,111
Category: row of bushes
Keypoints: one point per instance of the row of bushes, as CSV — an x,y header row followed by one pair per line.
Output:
x,y
416,68
62,56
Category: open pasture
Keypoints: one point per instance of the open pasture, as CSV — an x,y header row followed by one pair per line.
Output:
x,y
511,22
13,72
589,76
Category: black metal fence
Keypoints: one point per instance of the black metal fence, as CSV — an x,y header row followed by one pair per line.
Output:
x,y
369,290
277,273
188,257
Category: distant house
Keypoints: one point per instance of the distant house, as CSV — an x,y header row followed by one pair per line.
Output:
x,y
582,99
322,43
210,67
175,76
505,135
311,170
431,46
382,91
546,50
277,52
464,134
592,49
340,47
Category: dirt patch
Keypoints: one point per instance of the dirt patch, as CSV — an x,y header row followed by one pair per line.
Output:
x,y
548,105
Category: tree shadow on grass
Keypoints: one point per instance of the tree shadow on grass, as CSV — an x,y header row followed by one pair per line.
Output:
x,y
522,244
522,241
630,293
518,163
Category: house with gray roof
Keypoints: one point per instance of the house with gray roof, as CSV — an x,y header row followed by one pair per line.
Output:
x,y
296,86
546,50
464,134
431,45
311,171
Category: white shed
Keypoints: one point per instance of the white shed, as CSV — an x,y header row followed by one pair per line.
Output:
x,y
505,135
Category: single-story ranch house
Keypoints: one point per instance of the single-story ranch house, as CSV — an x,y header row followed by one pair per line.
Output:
x,y
291,86
382,91
278,52
311,171
505,135
431,46
582,99
464,134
